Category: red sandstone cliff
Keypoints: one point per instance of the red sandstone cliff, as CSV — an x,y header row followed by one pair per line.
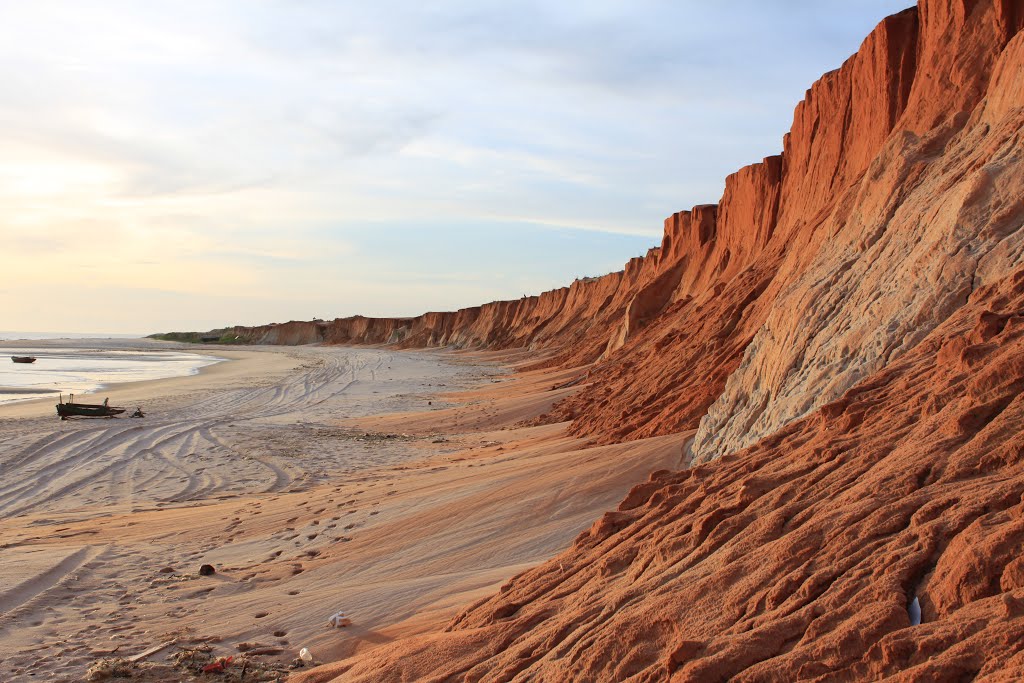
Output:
x,y
682,317
846,331
795,559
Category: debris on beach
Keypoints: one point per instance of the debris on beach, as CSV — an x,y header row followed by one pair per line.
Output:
x,y
151,651
914,611
207,570
189,664
339,620
218,665
106,669
377,436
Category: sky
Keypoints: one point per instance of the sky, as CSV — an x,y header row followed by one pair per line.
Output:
x,y
200,163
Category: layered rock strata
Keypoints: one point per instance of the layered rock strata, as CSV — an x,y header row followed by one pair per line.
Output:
x,y
798,558
795,285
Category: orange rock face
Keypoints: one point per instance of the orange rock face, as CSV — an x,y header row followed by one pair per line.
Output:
x,y
845,330
795,559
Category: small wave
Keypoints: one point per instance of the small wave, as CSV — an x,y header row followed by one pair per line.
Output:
x,y
26,390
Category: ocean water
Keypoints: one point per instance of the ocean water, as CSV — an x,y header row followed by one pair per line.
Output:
x,y
17,336
79,371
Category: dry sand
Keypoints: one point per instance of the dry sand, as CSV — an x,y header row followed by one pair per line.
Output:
x,y
315,479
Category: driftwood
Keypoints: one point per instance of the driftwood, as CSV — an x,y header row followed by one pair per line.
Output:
x,y
151,651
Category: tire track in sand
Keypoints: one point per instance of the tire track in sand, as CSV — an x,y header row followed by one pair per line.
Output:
x,y
169,459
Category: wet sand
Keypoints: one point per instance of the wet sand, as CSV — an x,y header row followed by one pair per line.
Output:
x,y
395,486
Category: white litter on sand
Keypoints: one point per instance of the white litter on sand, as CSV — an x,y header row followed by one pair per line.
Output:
x,y
915,612
339,620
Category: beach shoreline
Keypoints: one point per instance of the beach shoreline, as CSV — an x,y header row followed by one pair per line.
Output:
x,y
121,392
394,486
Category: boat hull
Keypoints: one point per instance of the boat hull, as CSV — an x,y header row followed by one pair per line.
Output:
x,y
66,410
23,359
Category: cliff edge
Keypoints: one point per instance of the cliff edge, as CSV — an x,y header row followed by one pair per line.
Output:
x,y
845,330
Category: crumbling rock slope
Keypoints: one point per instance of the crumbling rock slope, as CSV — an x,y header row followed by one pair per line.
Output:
x,y
933,215
798,558
845,329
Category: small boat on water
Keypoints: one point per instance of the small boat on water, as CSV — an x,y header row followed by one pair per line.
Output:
x,y
23,359
72,409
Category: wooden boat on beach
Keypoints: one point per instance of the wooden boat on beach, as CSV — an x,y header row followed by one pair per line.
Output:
x,y
72,409
23,359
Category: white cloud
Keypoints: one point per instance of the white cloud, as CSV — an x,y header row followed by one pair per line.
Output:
x,y
143,143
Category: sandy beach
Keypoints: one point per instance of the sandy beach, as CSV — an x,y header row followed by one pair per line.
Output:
x,y
394,486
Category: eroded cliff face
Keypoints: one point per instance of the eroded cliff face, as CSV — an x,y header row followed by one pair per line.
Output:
x,y
853,254
798,558
897,194
845,329
755,311
902,246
